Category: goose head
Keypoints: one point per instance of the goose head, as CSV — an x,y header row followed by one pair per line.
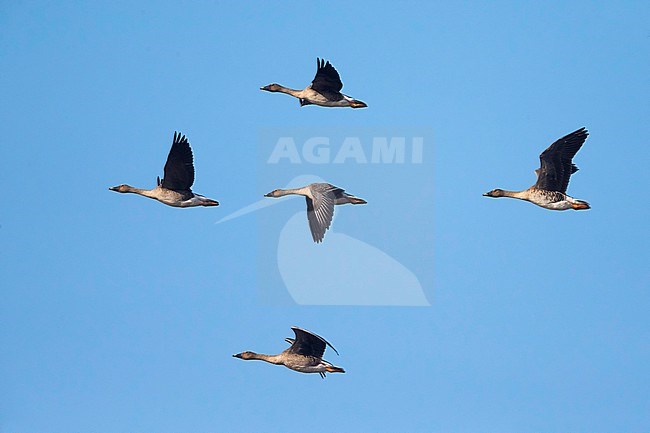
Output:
x,y
272,87
274,193
494,193
244,355
121,188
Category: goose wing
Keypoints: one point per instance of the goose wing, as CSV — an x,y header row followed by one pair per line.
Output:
x,y
326,79
308,344
179,168
555,162
320,209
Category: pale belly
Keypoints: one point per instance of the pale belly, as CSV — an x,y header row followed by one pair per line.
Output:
x,y
301,367
558,205
318,99
551,200
170,198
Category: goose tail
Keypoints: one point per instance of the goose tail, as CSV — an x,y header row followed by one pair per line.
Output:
x,y
209,202
580,205
356,200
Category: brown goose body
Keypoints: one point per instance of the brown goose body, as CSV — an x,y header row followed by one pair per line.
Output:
x,y
305,354
324,90
556,168
175,189
321,199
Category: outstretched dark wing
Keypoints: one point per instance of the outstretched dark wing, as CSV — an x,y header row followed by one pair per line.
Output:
x,y
308,344
320,210
179,168
326,79
556,166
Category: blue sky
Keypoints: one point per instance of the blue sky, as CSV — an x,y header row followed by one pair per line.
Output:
x,y
120,314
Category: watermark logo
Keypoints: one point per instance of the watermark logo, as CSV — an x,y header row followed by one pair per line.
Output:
x,y
321,150
379,253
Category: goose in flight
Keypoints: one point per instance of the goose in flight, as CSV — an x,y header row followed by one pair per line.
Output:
x,y
321,199
175,187
553,176
294,260
305,354
325,90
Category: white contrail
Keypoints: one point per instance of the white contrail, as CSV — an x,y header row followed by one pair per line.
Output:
x,y
248,209
295,183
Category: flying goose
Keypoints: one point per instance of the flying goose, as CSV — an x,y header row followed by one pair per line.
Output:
x,y
325,90
553,176
343,251
304,355
175,187
321,199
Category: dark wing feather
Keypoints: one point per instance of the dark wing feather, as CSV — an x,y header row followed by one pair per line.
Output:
x,y
179,168
555,162
326,79
308,344
320,211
